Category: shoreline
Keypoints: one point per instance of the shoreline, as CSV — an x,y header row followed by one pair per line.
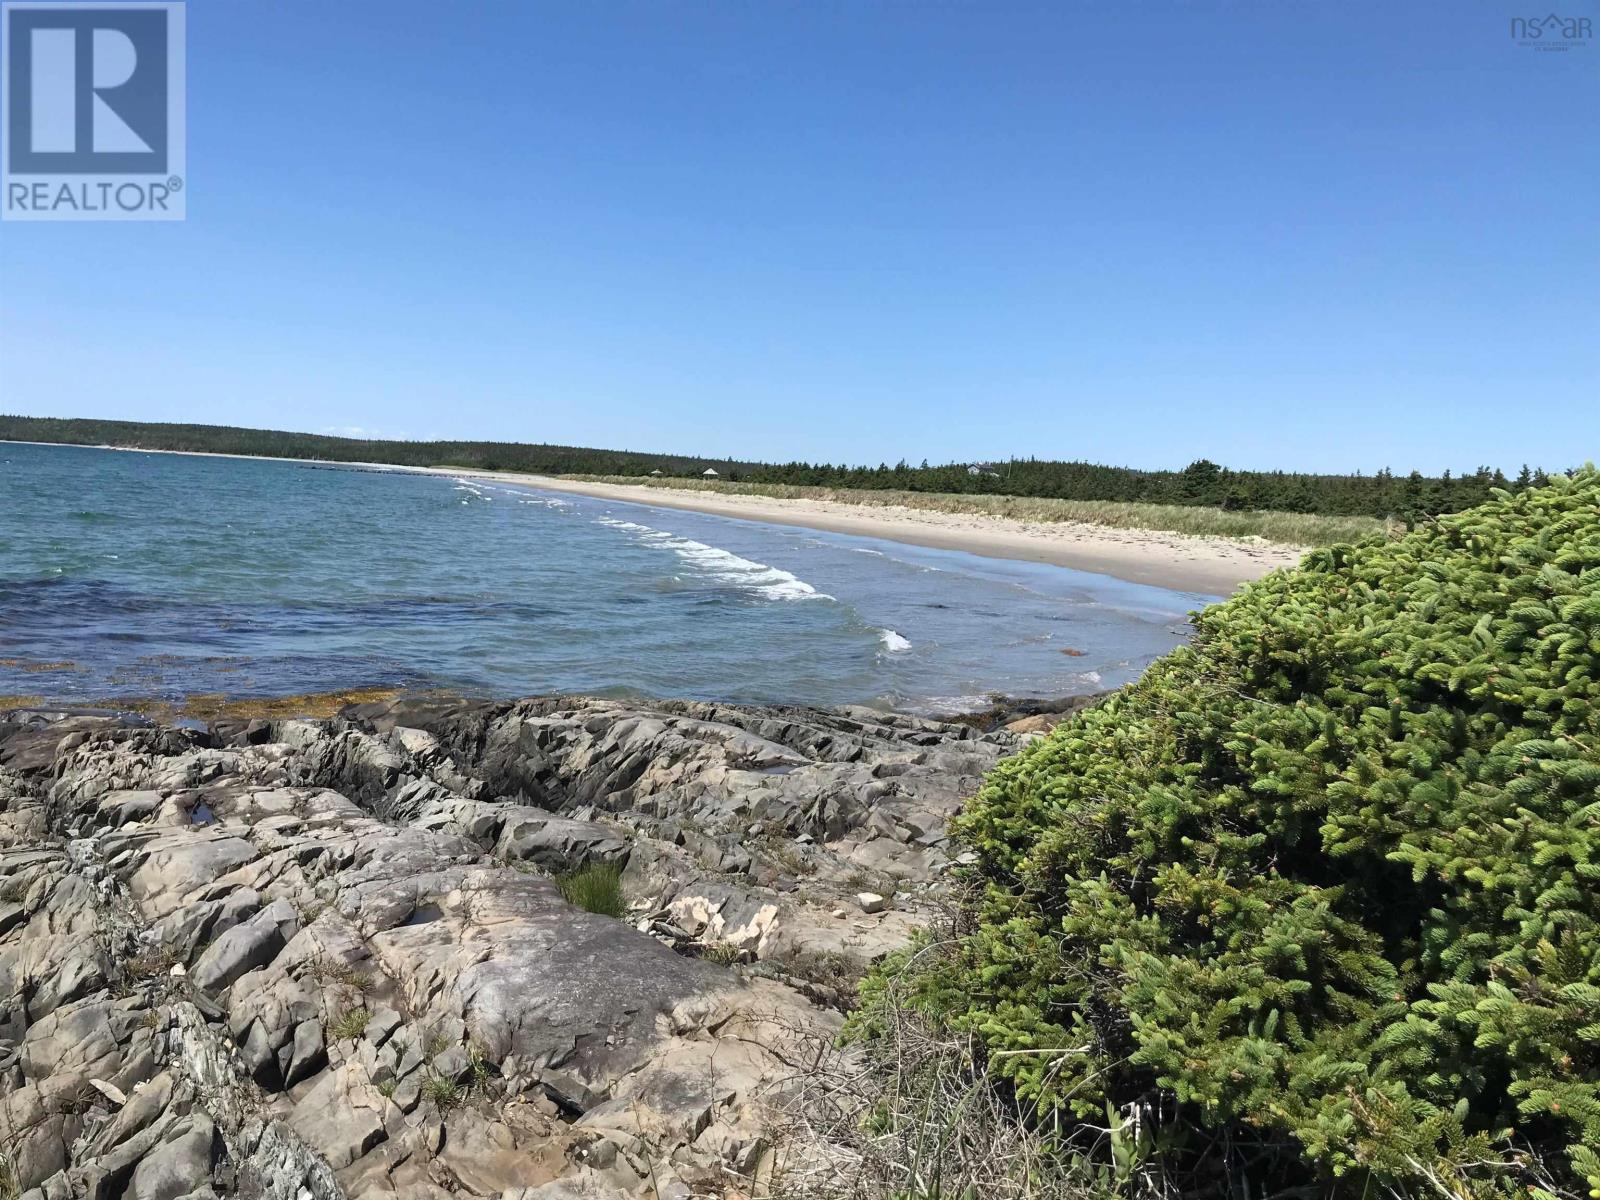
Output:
x,y
207,710
1209,566
1174,561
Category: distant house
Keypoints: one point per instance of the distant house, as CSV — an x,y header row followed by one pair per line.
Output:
x,y
982,469
709,473
974,469
656,472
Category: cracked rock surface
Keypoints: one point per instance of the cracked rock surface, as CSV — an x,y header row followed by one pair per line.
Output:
x,y
308,959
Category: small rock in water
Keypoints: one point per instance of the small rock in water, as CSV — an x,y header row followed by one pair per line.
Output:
x,y
871,902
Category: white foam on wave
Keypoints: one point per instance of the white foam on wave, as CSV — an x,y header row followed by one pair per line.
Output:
x,y
893,642
955,705
724,566
865,550
481,490
524,497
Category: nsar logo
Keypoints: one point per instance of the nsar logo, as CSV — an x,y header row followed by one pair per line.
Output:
x,y
1552,31
93,122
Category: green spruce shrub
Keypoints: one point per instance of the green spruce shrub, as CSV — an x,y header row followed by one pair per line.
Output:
x,y
1325,882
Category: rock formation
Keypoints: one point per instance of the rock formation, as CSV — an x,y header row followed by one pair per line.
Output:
x,y
311,959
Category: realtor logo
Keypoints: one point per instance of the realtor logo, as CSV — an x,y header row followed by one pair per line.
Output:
x,y
93,122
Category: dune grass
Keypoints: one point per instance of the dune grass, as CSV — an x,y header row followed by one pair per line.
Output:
x,y
596,888
1285,528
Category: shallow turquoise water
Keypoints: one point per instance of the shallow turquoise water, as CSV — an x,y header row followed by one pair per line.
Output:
x,y
164,575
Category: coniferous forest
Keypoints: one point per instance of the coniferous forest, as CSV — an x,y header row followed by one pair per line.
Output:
x,y
1382,493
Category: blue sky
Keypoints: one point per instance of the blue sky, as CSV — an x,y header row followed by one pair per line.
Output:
x,y
1288,234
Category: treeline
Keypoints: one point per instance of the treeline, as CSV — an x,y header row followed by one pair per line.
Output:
x,y
1201,483
317,447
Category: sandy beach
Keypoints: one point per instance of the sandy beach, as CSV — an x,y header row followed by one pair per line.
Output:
x,y
1212,566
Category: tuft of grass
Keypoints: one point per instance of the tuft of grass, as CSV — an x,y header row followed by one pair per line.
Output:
x,y
482,1068
10,1189
445,1093
388,1087
349,1025
827,968
724,954
332,971
151,963
1285,528
596,888
788,857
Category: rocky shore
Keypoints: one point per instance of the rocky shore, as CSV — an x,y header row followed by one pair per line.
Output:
x,y
309,959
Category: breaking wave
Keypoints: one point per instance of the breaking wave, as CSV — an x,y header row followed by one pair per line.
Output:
x,y
723,566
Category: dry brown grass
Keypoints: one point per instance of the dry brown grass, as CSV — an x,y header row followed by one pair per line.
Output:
x,y
1285,528
909,1116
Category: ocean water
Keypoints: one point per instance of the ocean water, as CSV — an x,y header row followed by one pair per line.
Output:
x,y
127,574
